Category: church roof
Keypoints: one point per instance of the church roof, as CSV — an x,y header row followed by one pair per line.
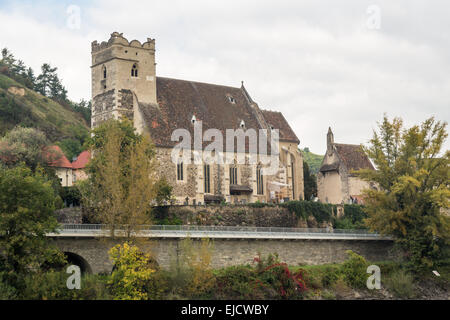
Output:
x,y
353,156
219,107
277,120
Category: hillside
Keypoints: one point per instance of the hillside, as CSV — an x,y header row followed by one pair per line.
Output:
x,y
22,106
313,160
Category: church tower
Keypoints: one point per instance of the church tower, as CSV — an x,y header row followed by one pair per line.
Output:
x,y
123,75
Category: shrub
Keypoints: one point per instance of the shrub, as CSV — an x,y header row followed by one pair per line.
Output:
x,y
331,275
47,286
7,292
341,289
237,282
157,287
303,209
190,273
401,284
354,270
131,274
328,295
276,277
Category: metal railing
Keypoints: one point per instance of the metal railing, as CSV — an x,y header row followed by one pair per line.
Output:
x,y
219,230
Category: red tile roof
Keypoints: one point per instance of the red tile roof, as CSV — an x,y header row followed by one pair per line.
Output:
x,y
82,160
56,158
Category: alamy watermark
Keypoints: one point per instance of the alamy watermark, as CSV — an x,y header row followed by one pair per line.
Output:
x,y
373,21
374,280
74,17
74,280
251,147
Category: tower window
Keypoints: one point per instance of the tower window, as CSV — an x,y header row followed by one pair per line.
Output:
x,y
104,72
134,71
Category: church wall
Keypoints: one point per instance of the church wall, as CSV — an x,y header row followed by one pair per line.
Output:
x,y
330,187
357,185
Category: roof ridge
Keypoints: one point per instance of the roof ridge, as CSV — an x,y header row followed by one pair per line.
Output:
x,y
347,144
199,82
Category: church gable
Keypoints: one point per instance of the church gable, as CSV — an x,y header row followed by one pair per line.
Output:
x,y
353,157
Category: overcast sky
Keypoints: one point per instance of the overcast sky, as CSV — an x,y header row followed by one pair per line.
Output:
x,y
321,63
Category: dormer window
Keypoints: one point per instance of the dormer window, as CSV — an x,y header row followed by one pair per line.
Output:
x,y
134,71
231,99
242,124
194,119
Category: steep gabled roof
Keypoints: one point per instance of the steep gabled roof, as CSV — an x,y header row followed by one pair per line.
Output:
x,y
353,156
82,160
218,107
56,158
278,121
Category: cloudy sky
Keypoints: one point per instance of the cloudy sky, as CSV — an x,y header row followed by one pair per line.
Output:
x,y
322,63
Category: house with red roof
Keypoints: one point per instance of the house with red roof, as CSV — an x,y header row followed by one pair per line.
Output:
x,y
63,167
79,164
68,172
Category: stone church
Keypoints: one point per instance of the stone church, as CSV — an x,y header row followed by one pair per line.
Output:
x,y
125,84
336,183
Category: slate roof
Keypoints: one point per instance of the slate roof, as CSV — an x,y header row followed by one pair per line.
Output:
x,y
353,156
180,100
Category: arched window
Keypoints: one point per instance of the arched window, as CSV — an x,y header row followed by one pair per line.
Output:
x,y
259,180
233,175
134,71
180,171
206,182
104,72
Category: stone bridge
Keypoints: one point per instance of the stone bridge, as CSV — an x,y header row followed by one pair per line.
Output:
x,y
87,245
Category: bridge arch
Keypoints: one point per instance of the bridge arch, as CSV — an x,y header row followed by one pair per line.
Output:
x,y
76,259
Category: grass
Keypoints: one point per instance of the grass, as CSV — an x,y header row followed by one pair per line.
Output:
x,y
401,284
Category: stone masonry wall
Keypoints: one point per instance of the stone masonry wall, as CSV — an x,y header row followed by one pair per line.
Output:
x,y
235,252
237,215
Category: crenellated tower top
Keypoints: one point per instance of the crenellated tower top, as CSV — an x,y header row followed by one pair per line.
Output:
x,y
118,39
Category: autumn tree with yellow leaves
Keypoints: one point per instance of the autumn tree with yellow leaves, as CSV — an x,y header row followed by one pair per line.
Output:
x,y
412,193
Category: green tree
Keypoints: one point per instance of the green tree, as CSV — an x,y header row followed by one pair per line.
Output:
x,y
70,147
23,145
48,84
121,177
413,187
27,204
163,191
309,181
